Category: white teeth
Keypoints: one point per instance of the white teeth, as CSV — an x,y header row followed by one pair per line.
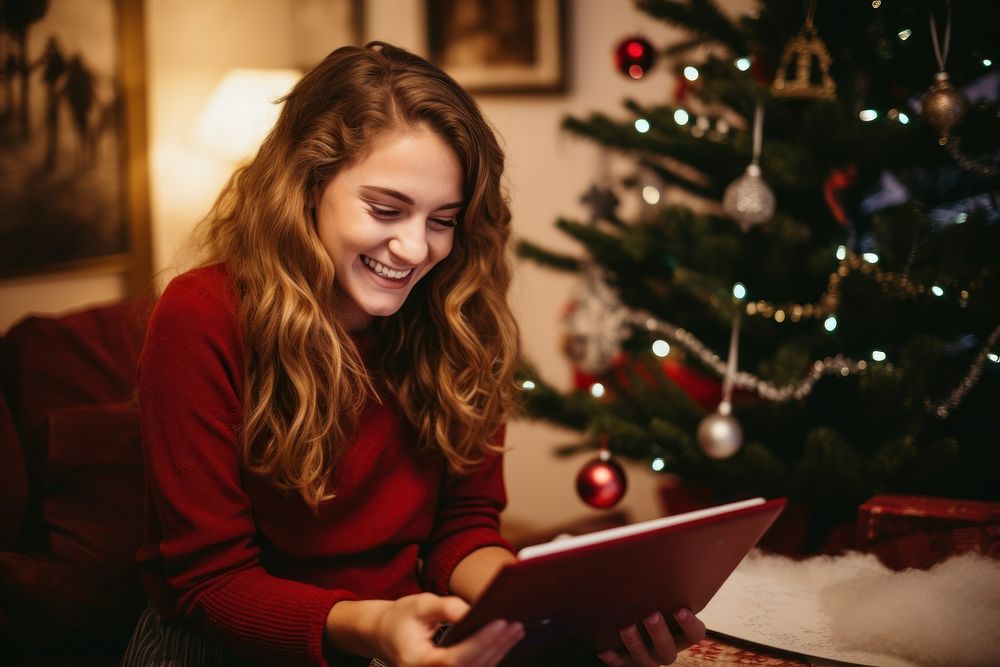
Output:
x,y
383,270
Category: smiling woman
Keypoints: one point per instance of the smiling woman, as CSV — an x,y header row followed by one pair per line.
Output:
x,y
323,400
388,220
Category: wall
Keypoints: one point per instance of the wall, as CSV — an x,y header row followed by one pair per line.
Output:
x,y
190,44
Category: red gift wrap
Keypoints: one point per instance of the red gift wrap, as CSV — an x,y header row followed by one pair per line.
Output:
x,y
920,531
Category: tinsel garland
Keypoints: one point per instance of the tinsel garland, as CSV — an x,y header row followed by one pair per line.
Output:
x,y
835,365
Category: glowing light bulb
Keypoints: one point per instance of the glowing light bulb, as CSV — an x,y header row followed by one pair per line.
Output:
x,y
658,464
870,257
841,252
937,290
597,390
961,217
527,385
903,118
681,117
742,64
661,348
739,290
642,126
830,323
995,358
905,34
868,115
691,73
987,62
650,195
878,355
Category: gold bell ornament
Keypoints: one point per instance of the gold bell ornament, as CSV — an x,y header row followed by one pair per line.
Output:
x,y
943,106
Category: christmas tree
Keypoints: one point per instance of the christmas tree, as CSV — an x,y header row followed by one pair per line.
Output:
x,y
821,319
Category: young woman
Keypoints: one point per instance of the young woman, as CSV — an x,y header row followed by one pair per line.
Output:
x,y
323,400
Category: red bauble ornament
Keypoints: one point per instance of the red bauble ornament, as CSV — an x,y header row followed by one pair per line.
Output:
x,y
601,483
634,57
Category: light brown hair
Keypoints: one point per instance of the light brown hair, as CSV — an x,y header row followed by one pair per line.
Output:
x,y
449,353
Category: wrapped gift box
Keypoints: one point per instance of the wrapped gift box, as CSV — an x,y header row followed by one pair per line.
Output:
x,y
920,531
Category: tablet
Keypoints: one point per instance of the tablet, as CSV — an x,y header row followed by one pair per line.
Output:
x,y
574,595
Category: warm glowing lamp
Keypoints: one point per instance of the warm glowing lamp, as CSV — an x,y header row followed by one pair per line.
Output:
x,y
242,110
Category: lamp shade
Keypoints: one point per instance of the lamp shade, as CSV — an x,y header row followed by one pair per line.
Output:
x,y
242,110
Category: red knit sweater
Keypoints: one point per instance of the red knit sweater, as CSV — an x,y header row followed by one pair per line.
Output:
x,y
254,567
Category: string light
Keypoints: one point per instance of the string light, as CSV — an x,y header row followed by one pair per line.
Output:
x,y
830,324
661,348
936,290
739,291
597,390
681,117
987,62
642,126
650,195
829,302
658,464
527,385
985,166
903,118
993,357
878,355
868,115
691,73
870,257
905,34
742,64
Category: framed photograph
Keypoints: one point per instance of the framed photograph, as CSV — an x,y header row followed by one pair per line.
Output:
x,y
73,168
500,46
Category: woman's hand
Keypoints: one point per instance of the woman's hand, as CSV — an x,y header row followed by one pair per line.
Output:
x,y
665,646
402,632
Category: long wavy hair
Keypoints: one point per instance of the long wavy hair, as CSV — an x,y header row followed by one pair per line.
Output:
x,y
448,354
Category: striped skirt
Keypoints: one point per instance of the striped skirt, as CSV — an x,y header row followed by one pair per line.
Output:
x,y
157,644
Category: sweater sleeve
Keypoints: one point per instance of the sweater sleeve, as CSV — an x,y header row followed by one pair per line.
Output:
x,y
467,518
190,387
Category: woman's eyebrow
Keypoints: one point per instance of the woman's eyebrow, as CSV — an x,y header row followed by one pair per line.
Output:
x,y
406,199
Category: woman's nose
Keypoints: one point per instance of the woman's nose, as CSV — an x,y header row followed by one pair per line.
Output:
x,y
409,244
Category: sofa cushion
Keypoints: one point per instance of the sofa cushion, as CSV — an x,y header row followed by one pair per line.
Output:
x,y
94,487
87,357
86,586
13,482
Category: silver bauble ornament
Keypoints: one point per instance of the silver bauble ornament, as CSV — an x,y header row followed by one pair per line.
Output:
x,y
719,434
943,106
594,324
748,199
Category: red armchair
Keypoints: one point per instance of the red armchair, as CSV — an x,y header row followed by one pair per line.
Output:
x,y
71,486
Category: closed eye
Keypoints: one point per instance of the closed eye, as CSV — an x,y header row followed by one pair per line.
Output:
x,y
445,222
383,213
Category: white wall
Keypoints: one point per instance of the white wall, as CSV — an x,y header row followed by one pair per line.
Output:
x,y
191,43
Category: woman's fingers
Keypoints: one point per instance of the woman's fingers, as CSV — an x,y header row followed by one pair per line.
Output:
x,y
691,626
636,647
662,646
663,640
613,658
489,645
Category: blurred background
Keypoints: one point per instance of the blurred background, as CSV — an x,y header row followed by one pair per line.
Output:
x,y
191,46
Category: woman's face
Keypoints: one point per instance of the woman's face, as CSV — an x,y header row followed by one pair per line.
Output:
x,y
387,220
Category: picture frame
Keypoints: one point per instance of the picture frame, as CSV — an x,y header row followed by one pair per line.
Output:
x,y
515,46
74,174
